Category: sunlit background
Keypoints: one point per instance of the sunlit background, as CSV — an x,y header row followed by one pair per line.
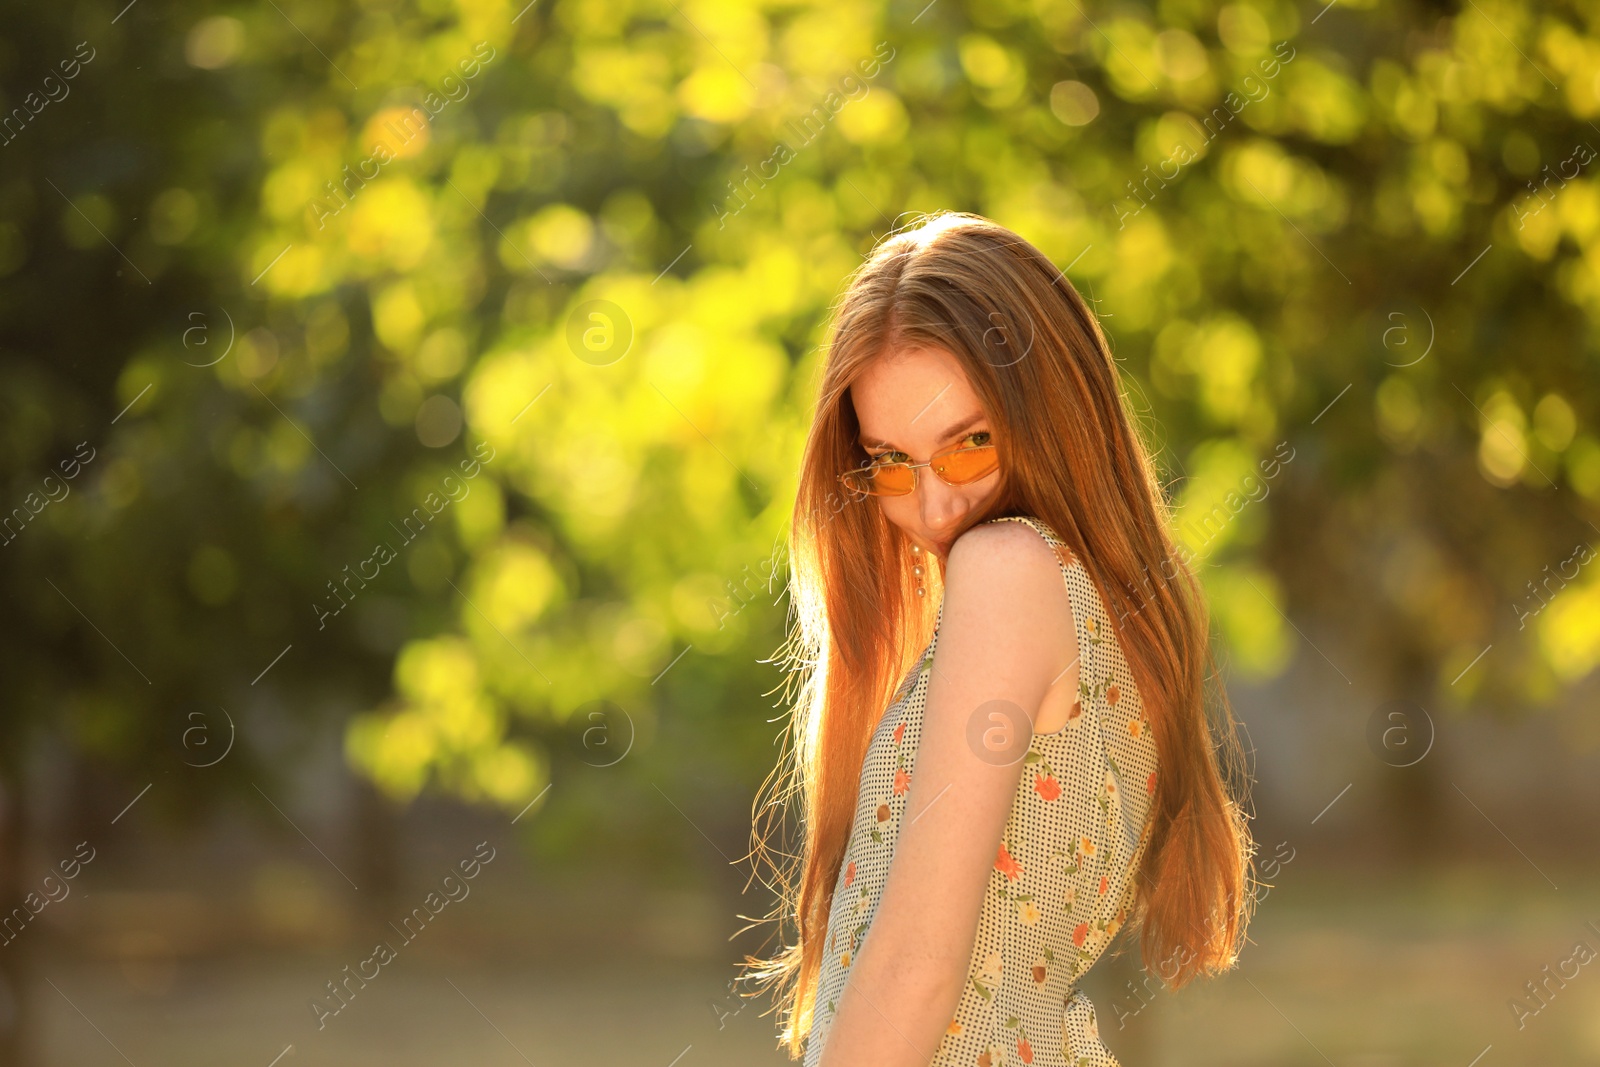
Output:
x,y
401,403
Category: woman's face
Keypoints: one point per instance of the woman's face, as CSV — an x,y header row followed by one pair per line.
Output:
x,y
912,404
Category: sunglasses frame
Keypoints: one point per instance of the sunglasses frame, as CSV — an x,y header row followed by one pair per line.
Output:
x,y
844,478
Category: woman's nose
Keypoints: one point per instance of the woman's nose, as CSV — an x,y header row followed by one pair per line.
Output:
x,y
942,505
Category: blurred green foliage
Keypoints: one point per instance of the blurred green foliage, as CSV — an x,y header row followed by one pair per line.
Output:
x,y
564,234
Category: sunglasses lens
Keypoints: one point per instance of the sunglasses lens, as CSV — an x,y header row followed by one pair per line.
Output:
x,y
886,480
966,465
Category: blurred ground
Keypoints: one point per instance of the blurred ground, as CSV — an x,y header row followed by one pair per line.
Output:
x,y
1343,969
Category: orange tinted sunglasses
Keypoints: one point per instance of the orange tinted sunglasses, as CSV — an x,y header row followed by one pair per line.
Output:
x,y
954,466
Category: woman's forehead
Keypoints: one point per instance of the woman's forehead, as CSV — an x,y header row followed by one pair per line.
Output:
x,y
913,395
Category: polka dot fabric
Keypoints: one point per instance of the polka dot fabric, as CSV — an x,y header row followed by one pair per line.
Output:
x,y
1062,883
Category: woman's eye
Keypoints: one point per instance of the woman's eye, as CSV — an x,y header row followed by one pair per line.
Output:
x,y
887,457
976,440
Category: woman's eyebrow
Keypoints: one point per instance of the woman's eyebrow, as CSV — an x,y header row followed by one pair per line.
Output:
x,y
965,424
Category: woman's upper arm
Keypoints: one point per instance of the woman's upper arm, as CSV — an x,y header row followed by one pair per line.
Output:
x,y
1005,636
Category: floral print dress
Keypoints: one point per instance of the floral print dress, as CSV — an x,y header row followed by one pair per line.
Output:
x,y
1063,880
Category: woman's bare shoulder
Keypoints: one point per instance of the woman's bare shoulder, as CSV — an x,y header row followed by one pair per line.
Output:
x,y
1009,567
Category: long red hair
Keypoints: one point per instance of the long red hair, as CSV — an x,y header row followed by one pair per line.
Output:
x,y
1070,455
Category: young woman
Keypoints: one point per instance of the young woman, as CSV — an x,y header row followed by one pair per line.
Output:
x,y
980,547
